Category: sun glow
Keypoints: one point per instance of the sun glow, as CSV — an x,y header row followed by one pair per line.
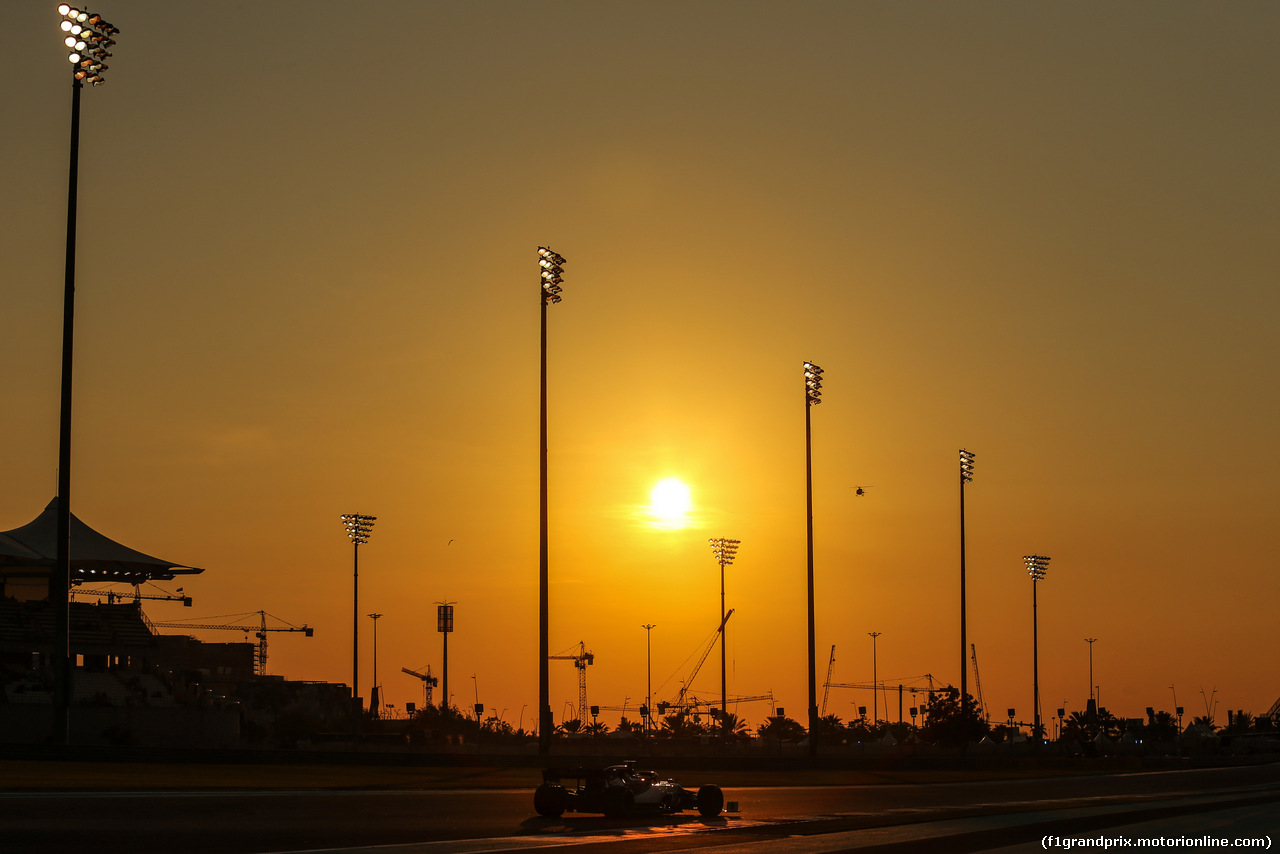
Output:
x,y
669,504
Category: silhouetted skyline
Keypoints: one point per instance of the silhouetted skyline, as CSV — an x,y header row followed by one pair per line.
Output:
x,y
307,262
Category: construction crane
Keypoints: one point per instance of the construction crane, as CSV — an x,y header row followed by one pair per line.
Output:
x,y
428,681
580,661
260,631
826,686
698,707
682,702
112,596
884,683
977,683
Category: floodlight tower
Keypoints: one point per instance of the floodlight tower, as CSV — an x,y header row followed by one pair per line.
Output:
x,y
966,476
875,681
359,528
1091,642
87,37
551,270
1037,565
812,397
375,698
724,551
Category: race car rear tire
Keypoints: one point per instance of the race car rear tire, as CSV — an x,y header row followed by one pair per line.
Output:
x,y
710,801
550,800
618,802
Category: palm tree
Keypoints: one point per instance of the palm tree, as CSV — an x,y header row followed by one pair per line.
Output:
x,y
782,729
1240,722
596,729
570,727
732,726
680,725
831,730
1204,722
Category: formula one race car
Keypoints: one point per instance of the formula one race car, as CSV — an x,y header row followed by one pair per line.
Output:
x,y
617,790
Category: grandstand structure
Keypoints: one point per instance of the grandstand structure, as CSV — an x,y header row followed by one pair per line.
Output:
x,y
130,684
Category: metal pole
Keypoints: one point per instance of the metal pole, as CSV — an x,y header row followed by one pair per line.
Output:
x,y
544,683
444,671
355,639
648,697
1090,642
964,645
724,691
875,680
60,574
1035,661
813,661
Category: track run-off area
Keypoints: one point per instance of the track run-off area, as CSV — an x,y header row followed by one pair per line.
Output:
x,y
972,815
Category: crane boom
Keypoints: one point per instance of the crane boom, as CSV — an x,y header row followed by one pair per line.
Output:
x,y
977,683
428,681
826,686
580,661
260,631
682,698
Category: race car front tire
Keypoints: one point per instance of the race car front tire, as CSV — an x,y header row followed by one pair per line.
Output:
x,y
550,800
710,801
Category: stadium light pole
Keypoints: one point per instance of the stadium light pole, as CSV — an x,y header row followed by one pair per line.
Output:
x,y
444,625
648,696
1037,565
966,476
87,37
724,550
551,269
812,397
359,527
375,701
1091,642
875,680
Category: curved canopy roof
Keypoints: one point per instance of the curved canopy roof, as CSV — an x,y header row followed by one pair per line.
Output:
x,y
93,556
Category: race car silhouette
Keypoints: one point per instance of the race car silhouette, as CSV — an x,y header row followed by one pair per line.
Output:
x,y
617,790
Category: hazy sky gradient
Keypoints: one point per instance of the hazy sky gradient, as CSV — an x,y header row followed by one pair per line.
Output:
x,y
1043,232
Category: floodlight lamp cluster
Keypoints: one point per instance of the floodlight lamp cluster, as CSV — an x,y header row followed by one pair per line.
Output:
x,y
358,527
1037,566
552,265
812,384
87,38
966,466
724,549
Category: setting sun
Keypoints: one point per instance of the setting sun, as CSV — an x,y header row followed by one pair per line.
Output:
x,y
669,503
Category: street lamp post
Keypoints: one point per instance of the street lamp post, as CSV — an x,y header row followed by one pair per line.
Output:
x,y
1091,642
551,266
359,527
812,397
375,700
648,696
1037,565
875,683
87,37
966,476
724,550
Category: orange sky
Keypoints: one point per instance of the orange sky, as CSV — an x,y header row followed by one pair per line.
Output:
x,y
306,287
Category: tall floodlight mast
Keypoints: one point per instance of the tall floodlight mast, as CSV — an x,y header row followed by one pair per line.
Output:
x,y
359,528
724,550
87,37
812,397
966,477
551,267
1037,565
